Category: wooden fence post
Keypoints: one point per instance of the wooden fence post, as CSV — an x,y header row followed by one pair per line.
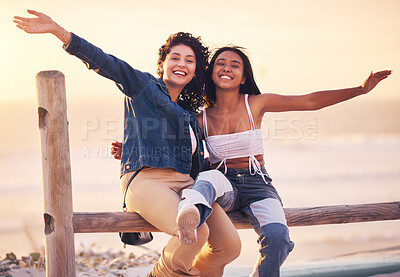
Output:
x,y
56,166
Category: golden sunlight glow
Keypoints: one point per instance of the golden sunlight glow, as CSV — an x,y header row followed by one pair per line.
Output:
x,y
295,46
346,154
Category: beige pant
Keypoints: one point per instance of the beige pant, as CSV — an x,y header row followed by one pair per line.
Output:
x,y
155,194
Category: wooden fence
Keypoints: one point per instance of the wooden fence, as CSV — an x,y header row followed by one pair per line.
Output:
x,y
61,222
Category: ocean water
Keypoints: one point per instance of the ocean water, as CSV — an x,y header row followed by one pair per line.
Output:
x,y
313,161
314,174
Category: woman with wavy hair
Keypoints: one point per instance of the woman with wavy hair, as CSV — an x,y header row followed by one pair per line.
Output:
x,y
231,128
162,147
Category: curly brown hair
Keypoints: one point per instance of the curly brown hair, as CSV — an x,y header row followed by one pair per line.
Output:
x,y
192,95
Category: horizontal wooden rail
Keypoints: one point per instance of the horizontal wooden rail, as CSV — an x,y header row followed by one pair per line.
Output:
x,y
103,222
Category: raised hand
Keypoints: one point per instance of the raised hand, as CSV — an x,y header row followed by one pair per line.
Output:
x,y
373,79
42,24
37,25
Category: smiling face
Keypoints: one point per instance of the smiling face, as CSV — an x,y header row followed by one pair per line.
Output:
x,y
179,66
228,71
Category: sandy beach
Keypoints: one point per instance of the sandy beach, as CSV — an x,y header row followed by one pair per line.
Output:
x,y
365,264
320,162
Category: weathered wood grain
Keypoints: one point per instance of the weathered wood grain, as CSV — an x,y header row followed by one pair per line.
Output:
x,y
132,222
57,189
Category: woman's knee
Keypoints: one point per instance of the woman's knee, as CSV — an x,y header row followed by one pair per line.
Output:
x,y
275,232
202,234
215,179
233,249
276,236
227,247
210,175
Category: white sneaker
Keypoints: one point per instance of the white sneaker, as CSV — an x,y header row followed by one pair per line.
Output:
x,y
187,220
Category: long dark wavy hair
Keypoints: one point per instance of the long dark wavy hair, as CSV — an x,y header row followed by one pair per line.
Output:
x,y
192,95
249,87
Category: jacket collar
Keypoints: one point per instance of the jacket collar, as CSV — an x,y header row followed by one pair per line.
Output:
x,y
163,87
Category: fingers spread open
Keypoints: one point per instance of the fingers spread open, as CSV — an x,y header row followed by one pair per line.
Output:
x,y
21,27
21,23
20,18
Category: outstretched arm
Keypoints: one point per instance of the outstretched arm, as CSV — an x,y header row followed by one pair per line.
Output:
x,y
320,99
42,24
129,80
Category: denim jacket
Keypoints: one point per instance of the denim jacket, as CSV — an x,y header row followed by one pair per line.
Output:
x,y
156,129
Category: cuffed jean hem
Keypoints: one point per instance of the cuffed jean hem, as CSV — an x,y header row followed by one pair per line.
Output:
x,y
196,198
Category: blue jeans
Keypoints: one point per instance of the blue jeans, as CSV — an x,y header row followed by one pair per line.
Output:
x,y
259,200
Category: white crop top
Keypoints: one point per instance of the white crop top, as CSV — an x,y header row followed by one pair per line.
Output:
x,y
235,145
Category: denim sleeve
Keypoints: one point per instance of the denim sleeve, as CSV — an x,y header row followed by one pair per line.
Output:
x,y
129,80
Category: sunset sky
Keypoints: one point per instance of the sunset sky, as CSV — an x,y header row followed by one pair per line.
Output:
x,y
296,46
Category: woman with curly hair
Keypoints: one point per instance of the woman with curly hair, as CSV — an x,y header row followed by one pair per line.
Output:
x,y
162,147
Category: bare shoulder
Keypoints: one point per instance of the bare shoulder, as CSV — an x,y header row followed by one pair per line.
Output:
x,y
200,120
258,102
261,97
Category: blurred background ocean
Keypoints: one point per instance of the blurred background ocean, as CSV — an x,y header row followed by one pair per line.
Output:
x,y
338,155
346,154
